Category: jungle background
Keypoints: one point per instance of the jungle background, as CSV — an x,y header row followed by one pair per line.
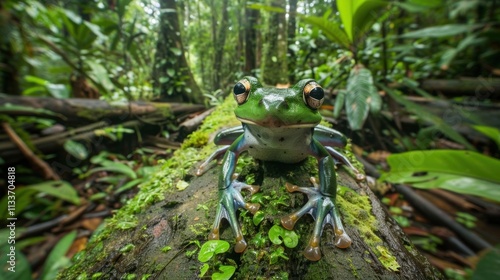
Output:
x,y
413,83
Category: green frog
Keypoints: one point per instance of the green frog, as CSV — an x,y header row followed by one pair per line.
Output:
x,y
281,125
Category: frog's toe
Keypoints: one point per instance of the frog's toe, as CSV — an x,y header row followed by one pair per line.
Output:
x,y
289,221
240,245
342,240
312,251
252,207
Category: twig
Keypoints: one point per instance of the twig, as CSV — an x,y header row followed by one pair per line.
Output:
x,y
39,164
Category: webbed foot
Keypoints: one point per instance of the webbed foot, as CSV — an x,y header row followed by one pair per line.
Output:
x,y
230,199
324,211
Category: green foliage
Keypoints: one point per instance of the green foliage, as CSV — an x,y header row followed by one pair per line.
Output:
x,y
457,171
487,267
360,97
56,259
207,251
278,233
358,15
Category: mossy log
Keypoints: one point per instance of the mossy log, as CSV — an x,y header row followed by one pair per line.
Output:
x,y
156,235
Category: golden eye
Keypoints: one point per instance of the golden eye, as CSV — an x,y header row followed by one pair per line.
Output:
x,y
241,90
314,95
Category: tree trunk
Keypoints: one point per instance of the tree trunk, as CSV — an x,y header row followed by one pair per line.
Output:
x,y
159,239
251,19
171,74
219,45
292,25
274,62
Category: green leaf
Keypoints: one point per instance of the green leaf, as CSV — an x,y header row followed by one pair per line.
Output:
x,y
339,103
441,31
117,167
21,266
76,149
359,96
53,262
211,248
458,171
426,116
203,270
357,15
130,185
100,75
290,238
491,132
227,272
258,217
58,189
487,267
330,29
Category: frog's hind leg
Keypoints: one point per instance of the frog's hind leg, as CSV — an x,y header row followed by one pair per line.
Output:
x,y
324,211
230,200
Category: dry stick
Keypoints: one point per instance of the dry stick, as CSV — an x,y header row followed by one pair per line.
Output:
x,y
39,164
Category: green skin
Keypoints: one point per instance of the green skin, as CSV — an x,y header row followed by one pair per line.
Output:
x,y
280,125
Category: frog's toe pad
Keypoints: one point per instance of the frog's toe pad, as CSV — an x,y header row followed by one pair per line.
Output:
x,y
312,253
240,246
289,221
360,177
252,207
342,240
214,235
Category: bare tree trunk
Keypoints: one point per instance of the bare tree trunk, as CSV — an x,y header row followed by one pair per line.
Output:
x,y
171,74
274,63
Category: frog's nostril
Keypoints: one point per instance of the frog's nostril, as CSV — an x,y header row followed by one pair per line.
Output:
x,y
283,105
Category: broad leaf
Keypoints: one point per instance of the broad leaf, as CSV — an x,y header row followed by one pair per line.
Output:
x,y
211,248
330,29
226,272
441,31
459,171
360,91
357,15
117,167
487,267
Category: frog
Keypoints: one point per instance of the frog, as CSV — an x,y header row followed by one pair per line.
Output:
x,y
281,125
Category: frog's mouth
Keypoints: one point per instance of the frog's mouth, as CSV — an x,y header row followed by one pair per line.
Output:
x,y
277,123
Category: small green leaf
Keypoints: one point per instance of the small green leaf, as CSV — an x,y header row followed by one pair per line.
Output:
x,y
203,270
76,149
227,272
258,217
117,167
59,189
339,103
211,248
277,233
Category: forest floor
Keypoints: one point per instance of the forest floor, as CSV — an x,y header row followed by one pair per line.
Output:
x,y
107,188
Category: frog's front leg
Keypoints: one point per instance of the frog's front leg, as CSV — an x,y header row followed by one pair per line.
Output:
x,y
321,205
230,198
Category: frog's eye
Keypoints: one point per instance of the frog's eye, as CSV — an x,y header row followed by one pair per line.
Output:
x,y
241,90
314,95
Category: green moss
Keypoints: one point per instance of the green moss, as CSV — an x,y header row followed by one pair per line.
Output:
x,y
356,210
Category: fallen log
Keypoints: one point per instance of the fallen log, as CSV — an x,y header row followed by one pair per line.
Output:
x,y
82,110
155,235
